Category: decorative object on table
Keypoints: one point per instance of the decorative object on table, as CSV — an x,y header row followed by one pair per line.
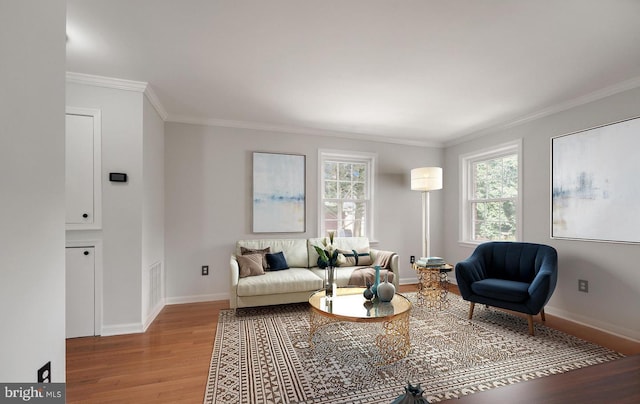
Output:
x,y
412,395
374,287
386,290
426,179
430,262
368,294
368,305
328,258
278,193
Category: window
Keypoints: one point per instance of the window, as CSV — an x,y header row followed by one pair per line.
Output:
x,y
346,193
491,189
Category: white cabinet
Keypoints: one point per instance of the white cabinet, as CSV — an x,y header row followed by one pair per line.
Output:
x,y
83,175
80,291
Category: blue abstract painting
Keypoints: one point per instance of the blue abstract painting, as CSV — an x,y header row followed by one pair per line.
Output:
x,y
278,193
595,186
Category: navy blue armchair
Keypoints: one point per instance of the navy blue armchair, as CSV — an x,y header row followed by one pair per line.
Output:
x,y
510,275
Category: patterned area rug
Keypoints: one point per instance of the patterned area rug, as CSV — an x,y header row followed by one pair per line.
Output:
x,y
263,355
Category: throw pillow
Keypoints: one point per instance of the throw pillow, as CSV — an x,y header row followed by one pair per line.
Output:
x,y
250,265
264,251
277,261
356,258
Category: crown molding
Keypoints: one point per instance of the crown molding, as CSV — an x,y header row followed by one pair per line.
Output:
x,y
107,82
155,101
554,109
119,84
223,123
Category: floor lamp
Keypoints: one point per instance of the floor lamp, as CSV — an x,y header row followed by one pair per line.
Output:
x,y
426,179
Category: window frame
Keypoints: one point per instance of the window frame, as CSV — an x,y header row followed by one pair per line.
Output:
x,y
370,159
466,187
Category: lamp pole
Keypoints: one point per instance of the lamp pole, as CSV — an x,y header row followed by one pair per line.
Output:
x,y
426,236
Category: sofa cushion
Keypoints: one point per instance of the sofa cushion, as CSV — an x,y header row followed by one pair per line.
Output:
x,y
276,282
501,289
356,257
263,252
250,265
277,261
294,249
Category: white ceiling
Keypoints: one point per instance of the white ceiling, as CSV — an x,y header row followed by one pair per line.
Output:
x,y
411,71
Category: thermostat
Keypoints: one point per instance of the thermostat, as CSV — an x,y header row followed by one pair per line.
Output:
x,y
117,177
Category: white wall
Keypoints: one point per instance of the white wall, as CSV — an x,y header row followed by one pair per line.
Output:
x,y
208,200
122,141
152,203
613,301
32,211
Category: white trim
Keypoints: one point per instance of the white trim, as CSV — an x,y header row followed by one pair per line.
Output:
x,y
121,329
96,115
120,84
155,101
196,298
614,89
372,160
626,333
464,160
224,123
97,280
154,313
107,82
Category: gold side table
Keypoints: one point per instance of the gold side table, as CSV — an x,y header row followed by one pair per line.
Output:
x,y
433,285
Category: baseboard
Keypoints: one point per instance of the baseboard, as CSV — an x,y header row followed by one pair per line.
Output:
x,y
612,329
196,298
120,329
152,316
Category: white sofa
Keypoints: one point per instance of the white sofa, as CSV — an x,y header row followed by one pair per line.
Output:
x,y
302,278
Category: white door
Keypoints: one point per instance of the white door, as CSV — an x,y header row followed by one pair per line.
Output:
x,y
80,285
79,169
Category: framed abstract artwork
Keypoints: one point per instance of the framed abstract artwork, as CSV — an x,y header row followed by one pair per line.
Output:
x,y
279,193
595,191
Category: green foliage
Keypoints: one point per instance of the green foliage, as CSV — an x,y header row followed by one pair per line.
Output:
x,y
494,193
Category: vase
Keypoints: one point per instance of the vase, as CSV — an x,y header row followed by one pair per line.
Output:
x,y
412,395
368,294
374,288
386,290
329,282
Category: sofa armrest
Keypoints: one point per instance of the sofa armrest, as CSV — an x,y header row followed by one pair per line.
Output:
x,y
467,272
234,276
392,263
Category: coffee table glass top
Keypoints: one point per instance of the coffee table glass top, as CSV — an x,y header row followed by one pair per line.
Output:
x,y
350,304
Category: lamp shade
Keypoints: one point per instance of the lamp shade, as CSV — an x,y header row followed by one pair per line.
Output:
x,y
426,179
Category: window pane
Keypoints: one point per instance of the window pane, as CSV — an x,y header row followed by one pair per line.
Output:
x,y
344,171
330,210
331,170
510,176
359,172
359,190
494,221
331,189
346,191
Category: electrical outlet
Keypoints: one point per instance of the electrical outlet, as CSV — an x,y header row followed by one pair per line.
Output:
x,y
412,259
44,373
205,270
583,285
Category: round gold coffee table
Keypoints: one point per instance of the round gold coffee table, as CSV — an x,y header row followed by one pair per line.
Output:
x,y
349,305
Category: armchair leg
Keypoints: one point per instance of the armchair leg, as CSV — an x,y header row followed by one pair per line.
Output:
x,y
530,320
542,315
472,305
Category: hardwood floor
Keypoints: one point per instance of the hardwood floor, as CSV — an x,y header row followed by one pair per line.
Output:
x,y
169,363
